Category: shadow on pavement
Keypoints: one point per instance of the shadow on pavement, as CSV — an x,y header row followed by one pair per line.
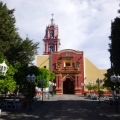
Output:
x,y
64,109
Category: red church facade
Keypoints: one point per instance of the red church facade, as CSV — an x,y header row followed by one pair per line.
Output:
x,y
67,64
69,69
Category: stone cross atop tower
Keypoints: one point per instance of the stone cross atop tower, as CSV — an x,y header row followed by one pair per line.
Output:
x,y
52,20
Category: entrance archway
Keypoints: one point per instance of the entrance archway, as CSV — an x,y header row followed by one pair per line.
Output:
x,y
68,86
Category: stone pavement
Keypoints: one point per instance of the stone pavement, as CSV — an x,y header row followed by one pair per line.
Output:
x,y
64,107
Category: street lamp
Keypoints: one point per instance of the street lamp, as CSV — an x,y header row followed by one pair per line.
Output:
x,y
115,79
3,68
42,81
98,81
31,79
90,83
49,83
53,84
83,84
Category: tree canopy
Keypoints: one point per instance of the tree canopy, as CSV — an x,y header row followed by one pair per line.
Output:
x,y
44,74
107,82
7,83
114,46
18,54
13,47
16,77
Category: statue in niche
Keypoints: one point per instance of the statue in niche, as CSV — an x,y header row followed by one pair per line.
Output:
x,y
51,34
51,48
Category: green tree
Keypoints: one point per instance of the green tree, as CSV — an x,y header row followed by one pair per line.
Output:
x,y
24,51
22,71
40,73
89,87
7,82
95,87
114,46
52,76
13,47
107,82
7,85
45,74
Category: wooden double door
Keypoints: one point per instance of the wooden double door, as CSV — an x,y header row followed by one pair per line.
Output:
x,y
68,86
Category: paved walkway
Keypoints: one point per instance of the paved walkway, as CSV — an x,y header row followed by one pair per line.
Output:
x,y
64,107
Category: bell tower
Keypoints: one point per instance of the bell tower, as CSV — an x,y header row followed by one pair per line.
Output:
x,y
51,40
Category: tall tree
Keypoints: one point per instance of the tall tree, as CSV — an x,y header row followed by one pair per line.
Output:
x,y
114,46
107,83
40,73
44,74
7,82
11,44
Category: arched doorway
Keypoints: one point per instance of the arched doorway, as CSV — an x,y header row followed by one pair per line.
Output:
x,y
68,86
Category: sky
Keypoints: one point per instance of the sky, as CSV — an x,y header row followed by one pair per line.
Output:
x,y
84,25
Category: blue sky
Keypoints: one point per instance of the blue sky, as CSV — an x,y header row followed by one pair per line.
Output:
x,y
83,24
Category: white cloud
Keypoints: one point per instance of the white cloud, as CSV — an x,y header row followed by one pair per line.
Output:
x,y
83,25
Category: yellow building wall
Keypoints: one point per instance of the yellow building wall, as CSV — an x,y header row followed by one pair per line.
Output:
x,y
92,73
44,60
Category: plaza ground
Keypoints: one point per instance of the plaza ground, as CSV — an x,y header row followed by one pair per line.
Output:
x,y
64,107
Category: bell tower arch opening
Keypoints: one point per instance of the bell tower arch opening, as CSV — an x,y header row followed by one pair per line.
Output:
x,y
68,86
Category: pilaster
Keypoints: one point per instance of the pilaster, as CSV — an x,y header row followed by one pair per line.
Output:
x,y
58,84
77,85
75,82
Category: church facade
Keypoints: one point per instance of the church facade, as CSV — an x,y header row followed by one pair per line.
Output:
x,y
71,68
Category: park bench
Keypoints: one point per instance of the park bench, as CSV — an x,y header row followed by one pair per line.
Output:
x,y
11,105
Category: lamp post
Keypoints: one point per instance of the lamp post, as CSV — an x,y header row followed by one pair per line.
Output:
x,y
49,83
42,81
115,79
31,79
83,84
90,83
98,81
53,84
3,68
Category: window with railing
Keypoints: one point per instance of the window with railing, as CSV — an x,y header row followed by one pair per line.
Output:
x,y
77,65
